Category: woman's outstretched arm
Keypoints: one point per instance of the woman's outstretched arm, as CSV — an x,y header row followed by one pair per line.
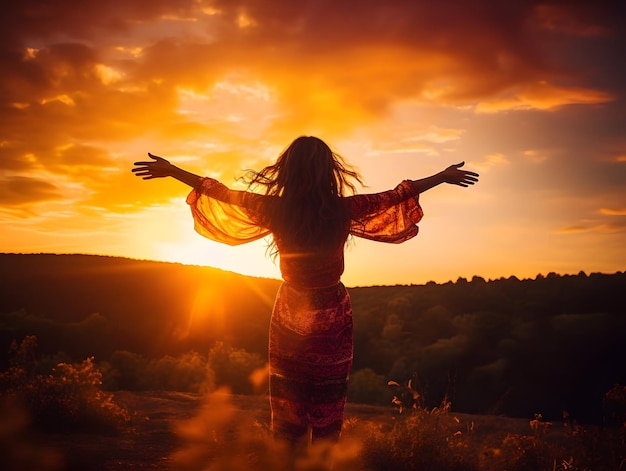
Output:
x,y
453,175
160,168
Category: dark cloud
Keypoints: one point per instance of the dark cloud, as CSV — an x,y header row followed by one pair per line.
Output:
x,y
37,75
16,191
11,160
488,46
84,156
364,55
32,20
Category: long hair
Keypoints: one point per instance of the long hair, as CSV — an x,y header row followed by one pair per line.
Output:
x,y
307,182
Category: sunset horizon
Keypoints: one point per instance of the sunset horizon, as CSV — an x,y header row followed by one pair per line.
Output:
x,y
469,278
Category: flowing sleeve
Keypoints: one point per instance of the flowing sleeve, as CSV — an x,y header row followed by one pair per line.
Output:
x,y
390,216
224,215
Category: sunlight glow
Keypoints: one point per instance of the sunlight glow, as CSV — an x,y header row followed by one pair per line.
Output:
x,y
192,249
65,99
245,21
613,211
132,51
107,75
207,311
31,53
543,96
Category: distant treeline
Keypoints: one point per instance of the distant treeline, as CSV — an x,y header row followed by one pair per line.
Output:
x,y
508,346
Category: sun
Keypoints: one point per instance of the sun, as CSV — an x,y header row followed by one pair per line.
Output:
x,y
192,249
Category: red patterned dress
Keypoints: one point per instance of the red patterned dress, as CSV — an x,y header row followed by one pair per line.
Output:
x,y
310,341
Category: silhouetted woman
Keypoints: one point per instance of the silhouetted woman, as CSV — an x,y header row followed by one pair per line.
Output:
x,y
305,208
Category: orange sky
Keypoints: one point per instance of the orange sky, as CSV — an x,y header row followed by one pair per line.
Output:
x,y
529,94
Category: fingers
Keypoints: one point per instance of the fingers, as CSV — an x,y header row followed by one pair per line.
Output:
x,y
148,170
466,179
152,156
146,175
465,172
144,171
141,168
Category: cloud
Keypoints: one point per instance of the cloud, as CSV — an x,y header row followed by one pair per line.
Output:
x,y
406,137
495,159
543,96
85,20
613,211
20,190
490,161
535,156
321,57
592,227
83,156
328,65
577,18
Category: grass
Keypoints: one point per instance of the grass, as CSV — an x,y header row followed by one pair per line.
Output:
x,y
439,440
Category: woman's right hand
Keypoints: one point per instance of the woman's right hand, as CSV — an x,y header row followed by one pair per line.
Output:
x,y
455,176
157,168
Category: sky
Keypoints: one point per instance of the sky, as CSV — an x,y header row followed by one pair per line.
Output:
x,y
530,94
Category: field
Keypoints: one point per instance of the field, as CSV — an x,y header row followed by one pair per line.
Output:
x,y
183,431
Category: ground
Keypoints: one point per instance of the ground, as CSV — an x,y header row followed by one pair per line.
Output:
x,y
151,440
163,424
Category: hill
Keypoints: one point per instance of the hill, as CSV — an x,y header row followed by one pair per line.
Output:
x,y
155,308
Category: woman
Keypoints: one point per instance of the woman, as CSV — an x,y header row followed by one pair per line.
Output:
x,y
305,209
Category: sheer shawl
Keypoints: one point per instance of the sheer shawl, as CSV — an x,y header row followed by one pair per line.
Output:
x,y
390,216
233,217
224,215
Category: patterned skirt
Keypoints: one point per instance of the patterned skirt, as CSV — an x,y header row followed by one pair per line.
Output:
x,y
310,353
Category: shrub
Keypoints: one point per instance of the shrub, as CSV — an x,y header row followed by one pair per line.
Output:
x,y
189,372
368,387
233,367
224,365
68,397
418,440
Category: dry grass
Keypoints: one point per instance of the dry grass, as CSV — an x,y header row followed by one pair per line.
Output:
x,y
193,432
